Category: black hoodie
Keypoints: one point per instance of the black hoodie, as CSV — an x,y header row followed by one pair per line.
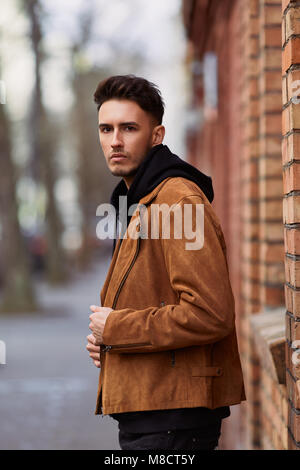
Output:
x,y
160,163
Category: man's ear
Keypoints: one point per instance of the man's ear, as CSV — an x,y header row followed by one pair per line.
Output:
x,y
158,135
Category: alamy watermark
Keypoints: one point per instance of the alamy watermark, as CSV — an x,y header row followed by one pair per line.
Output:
x,y
176,221
295,91
2,352
296,353
2,92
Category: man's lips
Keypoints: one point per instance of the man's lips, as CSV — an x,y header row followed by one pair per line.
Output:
x,y
117,157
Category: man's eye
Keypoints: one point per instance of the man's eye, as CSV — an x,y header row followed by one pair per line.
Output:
x,y
105,129
130,128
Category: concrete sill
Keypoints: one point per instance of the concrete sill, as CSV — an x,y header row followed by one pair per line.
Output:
x,y
269,335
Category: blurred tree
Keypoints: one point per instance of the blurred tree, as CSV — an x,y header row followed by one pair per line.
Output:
x,y
42,137
94,180
17,293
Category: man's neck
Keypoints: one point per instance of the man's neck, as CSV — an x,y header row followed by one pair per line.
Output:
x,y
128,180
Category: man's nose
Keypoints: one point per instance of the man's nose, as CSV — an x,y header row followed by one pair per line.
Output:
x,y
117,140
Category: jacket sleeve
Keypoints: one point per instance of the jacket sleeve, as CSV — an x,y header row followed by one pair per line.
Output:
x,y
205,310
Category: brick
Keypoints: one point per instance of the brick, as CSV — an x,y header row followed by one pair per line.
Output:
x,y
251,169
271,37
274,273
295,325
291,118
252,67
251,250
253,87
251,290
271,123
253,46
292,22
288,323
288,357
292,299
271,187
253,7
293,391
272,14
284,90
272,232
272,58
251,229
286,126
294,424
270,80
270,166
250,211
284,146
252,129
297,390
271,145
293,88
291,240
272,209
251,188
291,178
274,296
253,26
291,209
272,253
294,116
254,109
291,54
292,272
283,32
272,102
294,146
291,443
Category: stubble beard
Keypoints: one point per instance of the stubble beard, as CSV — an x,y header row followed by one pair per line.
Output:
x,y
131,171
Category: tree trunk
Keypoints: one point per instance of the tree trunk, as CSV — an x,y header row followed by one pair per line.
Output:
x,y
15,272
43,152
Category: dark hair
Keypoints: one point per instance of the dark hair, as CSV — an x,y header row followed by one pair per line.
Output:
x,y
129,87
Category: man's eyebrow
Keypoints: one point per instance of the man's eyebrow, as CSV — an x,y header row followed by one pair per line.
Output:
x,y
130,123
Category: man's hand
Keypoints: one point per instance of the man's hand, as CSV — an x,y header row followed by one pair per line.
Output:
x,y
98,319
93,350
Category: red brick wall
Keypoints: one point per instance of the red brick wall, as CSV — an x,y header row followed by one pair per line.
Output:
x,y
241,150
291,213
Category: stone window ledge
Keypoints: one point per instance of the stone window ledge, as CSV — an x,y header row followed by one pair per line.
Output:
x,y
268,329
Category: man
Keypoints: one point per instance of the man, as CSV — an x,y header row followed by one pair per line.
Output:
x,y
165,335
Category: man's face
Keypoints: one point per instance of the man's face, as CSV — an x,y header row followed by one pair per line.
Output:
x,y
126,135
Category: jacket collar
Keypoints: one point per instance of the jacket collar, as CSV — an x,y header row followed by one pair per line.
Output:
x,y
149,197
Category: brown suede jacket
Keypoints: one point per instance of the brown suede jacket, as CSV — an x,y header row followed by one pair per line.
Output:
x,y
171,340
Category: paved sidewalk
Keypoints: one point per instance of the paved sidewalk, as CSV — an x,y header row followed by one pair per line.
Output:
x,y
48,386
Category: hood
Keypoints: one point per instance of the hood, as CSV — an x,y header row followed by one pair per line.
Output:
x,y
160,163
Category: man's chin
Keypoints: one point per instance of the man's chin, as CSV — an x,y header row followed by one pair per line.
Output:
x,y
122,172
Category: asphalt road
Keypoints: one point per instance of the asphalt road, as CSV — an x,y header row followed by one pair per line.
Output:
x,y
48,386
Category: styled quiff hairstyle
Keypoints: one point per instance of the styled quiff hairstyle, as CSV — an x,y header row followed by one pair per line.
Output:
x,y
129,87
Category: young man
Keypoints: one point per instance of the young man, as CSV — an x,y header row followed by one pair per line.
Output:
x,y
165,336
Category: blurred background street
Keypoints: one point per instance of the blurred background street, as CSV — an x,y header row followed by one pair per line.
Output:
x,y
48,386
53,176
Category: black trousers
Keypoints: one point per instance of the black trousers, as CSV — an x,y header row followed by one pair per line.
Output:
x,y
181,439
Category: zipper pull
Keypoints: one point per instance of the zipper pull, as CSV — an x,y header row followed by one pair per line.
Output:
x,y
107,348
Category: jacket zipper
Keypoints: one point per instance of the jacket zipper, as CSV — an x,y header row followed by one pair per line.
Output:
x,y
108,348
126,274
173,358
